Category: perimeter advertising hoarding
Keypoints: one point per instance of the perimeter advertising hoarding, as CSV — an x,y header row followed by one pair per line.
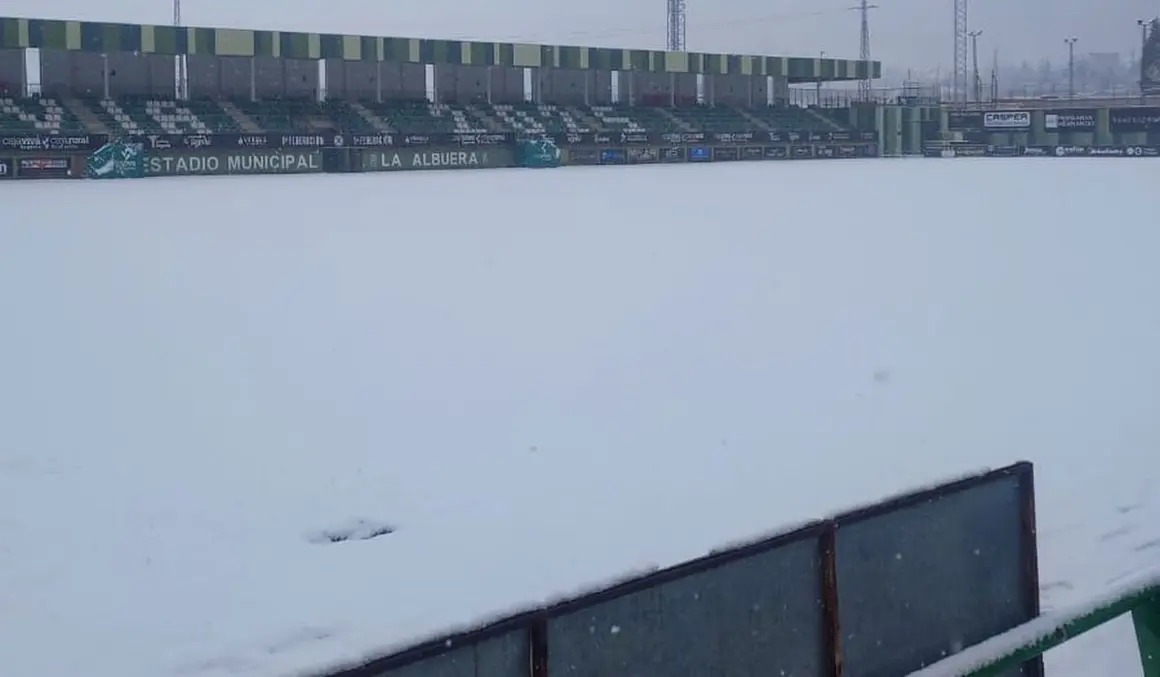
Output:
x,y
43,143
437,158
582,156
1070,120
1141,119
273,140
752,153
963,121
235,162
6,168
43,168
726,153
643,155
1007,119
716,138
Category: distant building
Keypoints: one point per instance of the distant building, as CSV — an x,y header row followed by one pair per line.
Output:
x,y
1104,62
1150,60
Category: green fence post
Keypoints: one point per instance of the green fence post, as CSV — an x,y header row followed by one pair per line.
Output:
x,y
1146,618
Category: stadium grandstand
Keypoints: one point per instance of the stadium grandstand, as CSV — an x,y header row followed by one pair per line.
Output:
x,y
74,77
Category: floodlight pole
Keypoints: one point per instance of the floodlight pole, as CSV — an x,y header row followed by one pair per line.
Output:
x,y
182,80
976,84
1143,56
1071,66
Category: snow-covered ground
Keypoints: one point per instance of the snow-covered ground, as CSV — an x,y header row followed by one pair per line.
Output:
x,y
541,380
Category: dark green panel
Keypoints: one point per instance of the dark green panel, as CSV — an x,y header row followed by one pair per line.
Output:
x,y
370,48
9,34
877,69
264,43
696,62
507,54
713,63
46,34
483,54
206,42
733,63
330,46
547,56
800,68
130,37
295,46
427,51
570,57
110,37
394,49
601,59
92,36
658,59
164,40
454,51
828,70
181,40
638,59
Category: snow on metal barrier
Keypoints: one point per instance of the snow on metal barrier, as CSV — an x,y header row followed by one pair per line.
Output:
x,y
1005,652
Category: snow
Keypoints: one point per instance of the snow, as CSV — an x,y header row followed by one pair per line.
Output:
x,y
540,382
1009,643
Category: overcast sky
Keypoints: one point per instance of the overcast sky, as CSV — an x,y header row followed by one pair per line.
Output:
x,y
905,33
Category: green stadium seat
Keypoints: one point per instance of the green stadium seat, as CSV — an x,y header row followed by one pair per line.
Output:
x,y
538,119
635,119
298,116
348,119
36,116
794,118
213,116
423,117
714,119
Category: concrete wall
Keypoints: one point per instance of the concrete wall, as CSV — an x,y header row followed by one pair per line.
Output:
x,y
128,73
463,84
13,78
267,77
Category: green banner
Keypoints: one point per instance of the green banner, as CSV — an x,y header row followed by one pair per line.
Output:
x,y
458,158
234,162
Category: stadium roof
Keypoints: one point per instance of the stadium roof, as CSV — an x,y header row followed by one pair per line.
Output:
x,y
104,37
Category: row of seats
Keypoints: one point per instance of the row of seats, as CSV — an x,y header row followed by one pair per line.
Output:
x,y
141,115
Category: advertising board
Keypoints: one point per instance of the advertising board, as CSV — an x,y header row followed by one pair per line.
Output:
x,y
51,143
726,153
6,168
254,161
1139,119
273,140
43,168
640,155
964,120
700,154
1070,120
436,158
613,156
1007,119
582,156
717,139
674,154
